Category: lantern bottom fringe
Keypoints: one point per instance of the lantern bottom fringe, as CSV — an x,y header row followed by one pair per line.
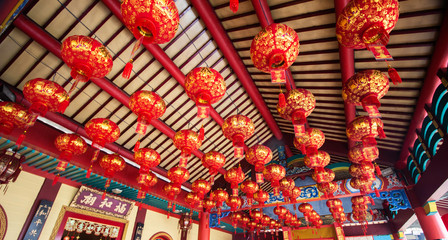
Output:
x,y
394,76
137,145
55,180
104,195
128,69
20,139
234,5
378,170
89,172
281,100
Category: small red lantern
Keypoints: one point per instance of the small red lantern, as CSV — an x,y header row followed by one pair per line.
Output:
x,y
87,58
244,219
365,129
111,163
192,199
234,176
365,169
178,175
219,196
13,115
213,161
100,131
325,175
280,212
295,193
69,145
186,141
261,197
274,173
299,105
327,188
306,209
205,86
234,202
151,22
360,153
201,187
286,185
209,204
45,95
274,49
249,188
150,181
171,190
364,185
258,156
238,128
318,160
310,142
256,215
147,158
366,88
147,106
235,217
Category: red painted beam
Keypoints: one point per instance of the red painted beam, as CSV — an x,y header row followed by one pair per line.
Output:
x,y
439,60
265,17
347,58
161,56
215,27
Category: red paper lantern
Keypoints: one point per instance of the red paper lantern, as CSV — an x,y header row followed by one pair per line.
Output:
x,y
280,212
238,128
274,173
310,142
192,199
147,158
234,202
87,58
234,176
328,188
261,197
365,129
147,106
111,163
325,175
244,219
201,187
364,185
252,226
365,169
295,193
366,88
249,188
258,156
209,204
318,160
45,96
235,217
13,115
100,131
299,105
205,86
171,190
178,175
286,185
306,209
274,49
213,161
256,215
360,153
333,203
150,181
186,141
219,196
69,145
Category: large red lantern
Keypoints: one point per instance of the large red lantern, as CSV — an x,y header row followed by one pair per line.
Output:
x,y
146,105
234,202
364,185
249,188
258,156
151,22
69,145
318,160
147,158
150,181
310,142
186,141
87,58
365,129
201,187
171,190
299,105
274,173
364,169
100,131
219,196
286,185
213,161
205,86
306,209
325,175
238,128
192,199
234,176
235,217
295,193
274,49
261,197
13,115
178,175
111,163
360,153
280,212
366,88
256,215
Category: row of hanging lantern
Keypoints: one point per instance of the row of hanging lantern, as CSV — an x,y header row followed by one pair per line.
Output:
x,y
360,208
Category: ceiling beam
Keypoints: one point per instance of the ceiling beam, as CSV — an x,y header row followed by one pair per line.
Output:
x,y
265,17
215,27
439,60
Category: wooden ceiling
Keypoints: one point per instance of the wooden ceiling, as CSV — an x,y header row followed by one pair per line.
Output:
x,y
317,68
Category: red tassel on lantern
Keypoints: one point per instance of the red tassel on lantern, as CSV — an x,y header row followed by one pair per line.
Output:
x,y
378,170
20,139
201,133
234,4
381,133
281,100
393,74
137,146
377,193
128,69
55,180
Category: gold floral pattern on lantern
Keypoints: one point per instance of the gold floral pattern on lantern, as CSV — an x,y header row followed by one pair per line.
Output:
x,y
249,188
365,129
359,153
69,145
44,96
365,22
205,86
154,21
259,155
328,188
366,88
178,175
111,163
319,160
213,161
102,131
87,57
186,141
201,187
274,49
312,140
299,105
274,173
13,115
238,128
219,196
234,176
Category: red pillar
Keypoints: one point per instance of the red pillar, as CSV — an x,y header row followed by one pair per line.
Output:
x,y
432,225
204,227
445,220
